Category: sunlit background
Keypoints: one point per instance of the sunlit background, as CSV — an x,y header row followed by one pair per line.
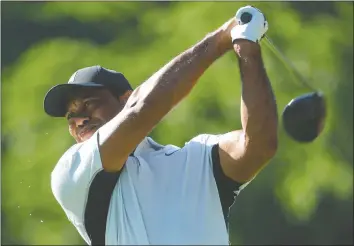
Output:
x,y
304,195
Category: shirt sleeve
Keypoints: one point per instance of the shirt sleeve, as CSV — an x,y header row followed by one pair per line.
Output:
x,y
208,144
228,189
72,176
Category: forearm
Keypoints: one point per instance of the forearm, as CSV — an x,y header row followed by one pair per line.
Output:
x,y
258,106
175,80
151,101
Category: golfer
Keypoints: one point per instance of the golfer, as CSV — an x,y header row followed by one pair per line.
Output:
x,y
118,186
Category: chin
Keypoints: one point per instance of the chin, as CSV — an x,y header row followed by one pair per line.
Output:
x,y
87,136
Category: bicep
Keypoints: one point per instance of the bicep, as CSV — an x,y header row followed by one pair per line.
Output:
x,y
238,160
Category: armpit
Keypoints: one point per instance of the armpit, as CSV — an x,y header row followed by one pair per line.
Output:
x,y
228,189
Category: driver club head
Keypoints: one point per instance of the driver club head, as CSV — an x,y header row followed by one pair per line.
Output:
x,y
304,116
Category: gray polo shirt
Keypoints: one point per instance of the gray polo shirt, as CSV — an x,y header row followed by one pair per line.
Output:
x,y
163,195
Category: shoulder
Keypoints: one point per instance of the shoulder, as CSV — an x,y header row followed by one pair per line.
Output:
x,y
198,149
64,169
75,169
80,155
66,160
203,140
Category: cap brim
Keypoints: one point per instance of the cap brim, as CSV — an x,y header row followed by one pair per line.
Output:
x,y
57,98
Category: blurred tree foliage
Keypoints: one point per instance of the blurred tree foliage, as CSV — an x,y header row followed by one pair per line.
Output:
x,y
303,196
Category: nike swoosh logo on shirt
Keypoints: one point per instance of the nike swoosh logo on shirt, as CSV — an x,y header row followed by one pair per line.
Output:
x,y
170,153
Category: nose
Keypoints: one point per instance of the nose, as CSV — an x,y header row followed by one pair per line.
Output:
x,y
81,121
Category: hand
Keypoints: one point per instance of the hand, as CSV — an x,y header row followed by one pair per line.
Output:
x,y
251,27
251,24
225,40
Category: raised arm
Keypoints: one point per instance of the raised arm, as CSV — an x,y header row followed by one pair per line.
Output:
x,y
152,100
244,152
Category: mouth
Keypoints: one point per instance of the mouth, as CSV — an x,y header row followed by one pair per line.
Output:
x,y
87,130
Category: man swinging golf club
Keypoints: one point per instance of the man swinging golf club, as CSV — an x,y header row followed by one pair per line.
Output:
x,y
119,187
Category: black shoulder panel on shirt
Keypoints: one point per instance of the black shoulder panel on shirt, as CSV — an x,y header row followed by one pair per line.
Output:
x,y
228,188
97,205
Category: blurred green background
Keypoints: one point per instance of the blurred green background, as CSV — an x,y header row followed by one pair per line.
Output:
x,y
304,195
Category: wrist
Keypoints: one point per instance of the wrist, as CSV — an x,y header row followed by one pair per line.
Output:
x,y
246,49
222,36
217,43
224,40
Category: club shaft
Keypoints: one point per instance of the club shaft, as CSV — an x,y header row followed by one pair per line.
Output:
x,y
296,75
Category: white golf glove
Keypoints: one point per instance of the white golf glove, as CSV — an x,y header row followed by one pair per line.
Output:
x,y
254,30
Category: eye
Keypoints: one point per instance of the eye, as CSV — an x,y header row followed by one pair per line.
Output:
x,y
87,103
91,102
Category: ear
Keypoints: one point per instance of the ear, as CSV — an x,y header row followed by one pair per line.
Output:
x,y
125,96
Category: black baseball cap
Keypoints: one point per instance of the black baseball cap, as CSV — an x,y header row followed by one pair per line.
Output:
x,y
57,98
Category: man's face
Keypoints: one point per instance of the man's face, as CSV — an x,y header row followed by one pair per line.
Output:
x,y
90,109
